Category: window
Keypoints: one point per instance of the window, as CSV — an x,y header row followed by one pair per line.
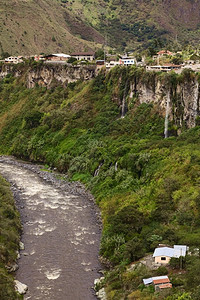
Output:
x,y
163,258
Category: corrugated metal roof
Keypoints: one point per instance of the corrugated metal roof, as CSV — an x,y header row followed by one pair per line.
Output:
x,y
164,251
61,55
177,251
147,281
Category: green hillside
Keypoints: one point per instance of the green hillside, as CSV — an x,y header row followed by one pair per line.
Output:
x,y
146,186
29,27
9,241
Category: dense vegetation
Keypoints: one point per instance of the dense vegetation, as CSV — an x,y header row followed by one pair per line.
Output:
x,y
9,241
146,186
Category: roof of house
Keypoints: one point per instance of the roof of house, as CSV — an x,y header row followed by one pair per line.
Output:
x,y
165,286
180,250
61,55
177,251
58,55
159,281
164,251
165,52
82,54
157,278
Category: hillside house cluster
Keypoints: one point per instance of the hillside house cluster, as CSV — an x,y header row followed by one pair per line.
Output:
x,y
111,61
162,256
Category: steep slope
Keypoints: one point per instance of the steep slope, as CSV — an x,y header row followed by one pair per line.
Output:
x,y
31,26
146,186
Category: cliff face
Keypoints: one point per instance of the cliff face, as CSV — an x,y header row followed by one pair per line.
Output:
x,y
183,99
49,75
182,95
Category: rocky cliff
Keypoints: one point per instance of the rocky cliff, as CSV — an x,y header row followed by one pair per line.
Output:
x,y
179,92
183,96
49,75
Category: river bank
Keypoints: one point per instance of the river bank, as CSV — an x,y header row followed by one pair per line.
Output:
x,y
61,233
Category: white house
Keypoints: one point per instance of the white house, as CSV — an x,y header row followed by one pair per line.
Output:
x,y
127,61
13,60
164,68
163,255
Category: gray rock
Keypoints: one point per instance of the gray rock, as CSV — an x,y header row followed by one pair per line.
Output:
x,y
21,288
21,246
101,294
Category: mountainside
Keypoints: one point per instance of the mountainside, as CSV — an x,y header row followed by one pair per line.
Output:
x,y
147,187
29,27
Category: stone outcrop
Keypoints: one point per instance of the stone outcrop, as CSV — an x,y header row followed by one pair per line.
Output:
x,y
100,290
55,75
21,288
49,75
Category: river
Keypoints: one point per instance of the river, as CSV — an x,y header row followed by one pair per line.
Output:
x,y
61,234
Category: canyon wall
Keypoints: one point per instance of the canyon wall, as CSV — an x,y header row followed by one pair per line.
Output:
x,y
182,91
49,75
183,97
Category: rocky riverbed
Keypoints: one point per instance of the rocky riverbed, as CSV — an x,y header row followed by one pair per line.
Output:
x,y
61,233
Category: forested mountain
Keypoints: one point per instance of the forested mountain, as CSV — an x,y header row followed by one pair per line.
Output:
x,y
29,27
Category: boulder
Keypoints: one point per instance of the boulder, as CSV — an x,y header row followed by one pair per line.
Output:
x,y
21,288
101,294
21,246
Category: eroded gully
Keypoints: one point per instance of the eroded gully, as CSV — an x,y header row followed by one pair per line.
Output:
x,y
61,234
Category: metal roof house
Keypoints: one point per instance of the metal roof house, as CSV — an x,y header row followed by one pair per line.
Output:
x,y
163,255
159,282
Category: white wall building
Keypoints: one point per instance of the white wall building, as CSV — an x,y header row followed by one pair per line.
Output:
x,y
127,61
13,60
163,255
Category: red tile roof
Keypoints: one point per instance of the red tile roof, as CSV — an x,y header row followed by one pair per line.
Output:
x,y
159,281
165,286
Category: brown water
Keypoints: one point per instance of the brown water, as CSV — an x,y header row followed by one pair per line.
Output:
x,y
61,237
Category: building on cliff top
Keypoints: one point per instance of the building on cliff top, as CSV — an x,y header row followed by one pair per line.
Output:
x,y
84,55
164,68
13,60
